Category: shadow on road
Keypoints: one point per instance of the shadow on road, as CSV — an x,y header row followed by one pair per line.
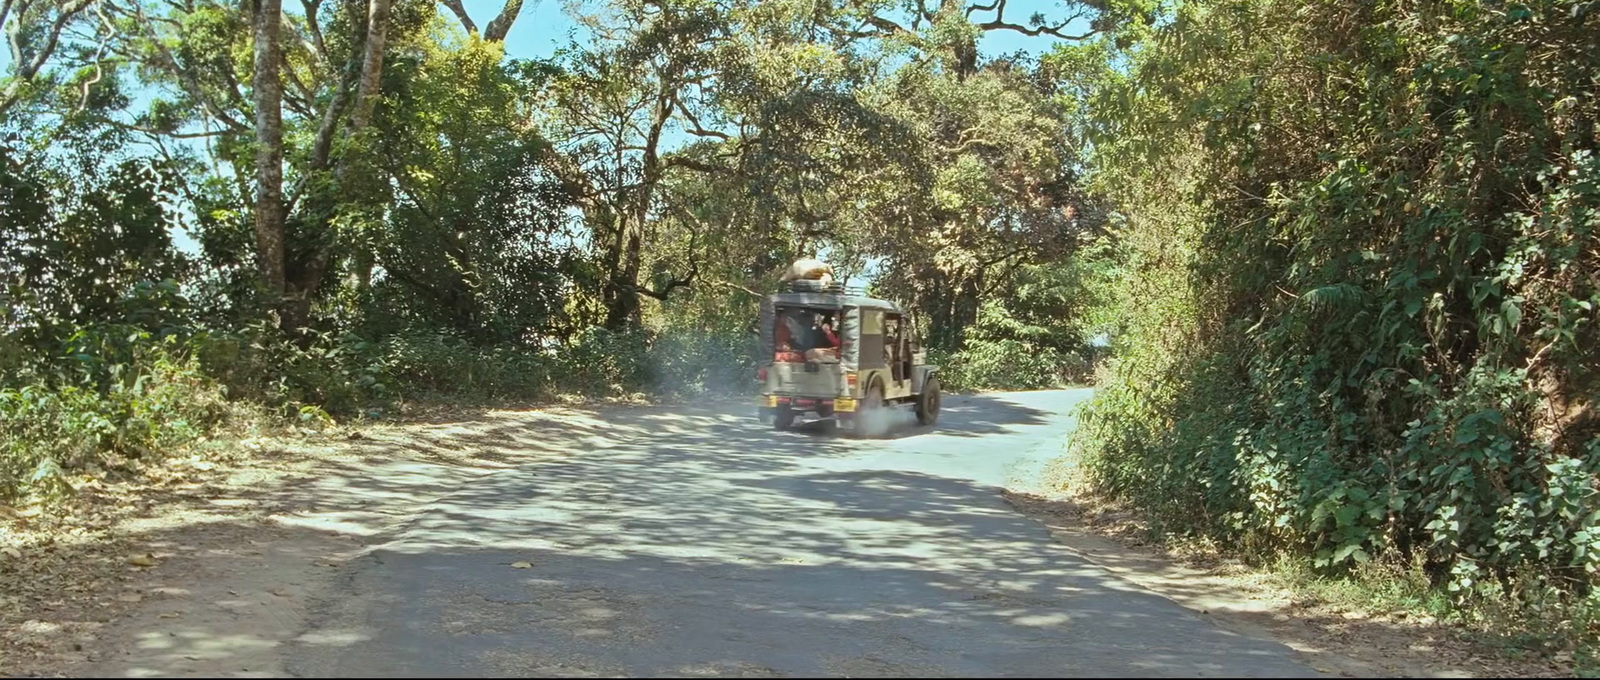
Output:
x,y
697,541
705,543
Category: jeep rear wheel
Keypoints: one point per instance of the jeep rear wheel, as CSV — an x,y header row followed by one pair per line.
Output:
x,y
783,418
928,402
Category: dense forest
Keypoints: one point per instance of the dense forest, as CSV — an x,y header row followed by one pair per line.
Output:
x,y
1332,265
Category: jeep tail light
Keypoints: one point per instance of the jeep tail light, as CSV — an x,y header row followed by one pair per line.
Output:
x,y
761,374
850,380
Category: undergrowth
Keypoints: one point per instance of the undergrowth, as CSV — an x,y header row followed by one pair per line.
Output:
x,y
116,395
1358,325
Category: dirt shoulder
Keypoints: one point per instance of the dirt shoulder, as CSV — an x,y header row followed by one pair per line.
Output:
x,y
203,565
1333,638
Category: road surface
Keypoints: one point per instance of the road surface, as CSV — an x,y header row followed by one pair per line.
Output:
x,y
701,543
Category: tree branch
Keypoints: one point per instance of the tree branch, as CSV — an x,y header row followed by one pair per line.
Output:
x,y
26,69
319,48
501,25
983,8
694,270
461,14
99,56
735,286
161,133
322,148
692,164
301,101
1000,24
378,12
699,130
5,12
694,262
189,83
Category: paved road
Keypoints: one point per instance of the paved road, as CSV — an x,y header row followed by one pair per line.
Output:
x,y
701,543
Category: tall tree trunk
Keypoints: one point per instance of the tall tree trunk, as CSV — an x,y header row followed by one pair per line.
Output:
x,y
622,298
622,309
267,88
371,64
309,274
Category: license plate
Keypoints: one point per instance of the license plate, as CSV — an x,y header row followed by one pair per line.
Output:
x,y
768,401
846,405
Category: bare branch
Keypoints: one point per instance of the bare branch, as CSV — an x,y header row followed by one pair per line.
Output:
x,y
699,130
99,55
686,281
5,12
735,286
161,133
461,14
319,48
886,25
1000,24
694,271
692,164
501,25
983,8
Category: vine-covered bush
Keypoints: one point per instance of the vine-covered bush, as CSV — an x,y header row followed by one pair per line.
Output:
x,y
1009,351
1359,317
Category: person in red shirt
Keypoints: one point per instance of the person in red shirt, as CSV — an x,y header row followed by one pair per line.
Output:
x,y
829,335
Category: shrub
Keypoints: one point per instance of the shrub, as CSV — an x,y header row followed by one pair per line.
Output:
x,y
158,402
1354,323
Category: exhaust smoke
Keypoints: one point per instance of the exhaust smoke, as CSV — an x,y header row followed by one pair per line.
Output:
x,y
884,421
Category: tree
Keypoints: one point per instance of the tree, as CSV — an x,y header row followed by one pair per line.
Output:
x,y
613,106
470,239
266,85
305,182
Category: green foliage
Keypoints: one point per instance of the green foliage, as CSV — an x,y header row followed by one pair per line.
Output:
x,y
1357,319
467,244
1050,331
156,400
1001,352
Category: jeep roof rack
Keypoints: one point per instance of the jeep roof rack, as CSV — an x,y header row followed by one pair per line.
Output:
x,y
812,286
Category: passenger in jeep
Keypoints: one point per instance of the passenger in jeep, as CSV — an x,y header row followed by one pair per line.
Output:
x,y
826,349
794,332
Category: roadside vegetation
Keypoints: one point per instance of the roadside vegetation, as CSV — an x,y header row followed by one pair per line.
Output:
x,y
1356,329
